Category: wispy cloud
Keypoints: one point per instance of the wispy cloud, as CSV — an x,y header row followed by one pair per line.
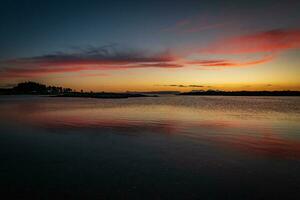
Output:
x,y
269,44
270,41
103,58
223,63
196,24
203,27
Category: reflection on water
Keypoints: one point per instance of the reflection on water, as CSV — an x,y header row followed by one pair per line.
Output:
x,y
258,127
189,132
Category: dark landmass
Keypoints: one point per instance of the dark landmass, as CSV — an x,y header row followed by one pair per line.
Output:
x,y
243,93
33,88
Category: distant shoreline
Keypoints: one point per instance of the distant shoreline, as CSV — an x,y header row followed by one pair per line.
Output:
x,y
128,95
33,88
102,95
241,93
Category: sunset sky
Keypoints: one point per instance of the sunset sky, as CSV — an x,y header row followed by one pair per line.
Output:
x,y
151,45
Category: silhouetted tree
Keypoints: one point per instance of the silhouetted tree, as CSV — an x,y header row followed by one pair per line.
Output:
x,y
30,88
37,88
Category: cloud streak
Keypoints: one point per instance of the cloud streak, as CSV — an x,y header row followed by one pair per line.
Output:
x,y
91,59
198,28
269,44
272,41
103,58
223,63
196,24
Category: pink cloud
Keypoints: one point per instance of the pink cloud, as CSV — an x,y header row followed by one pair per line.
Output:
x,y
85,61
268,41
40,71
271,42
223,63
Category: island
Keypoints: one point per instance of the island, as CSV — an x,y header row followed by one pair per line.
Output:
x,y
33,88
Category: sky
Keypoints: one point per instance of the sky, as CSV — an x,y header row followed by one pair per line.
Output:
x,y
114,45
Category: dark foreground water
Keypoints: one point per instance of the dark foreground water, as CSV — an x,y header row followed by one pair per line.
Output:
x,y
150,148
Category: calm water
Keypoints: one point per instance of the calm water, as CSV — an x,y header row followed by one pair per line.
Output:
x,y
150,148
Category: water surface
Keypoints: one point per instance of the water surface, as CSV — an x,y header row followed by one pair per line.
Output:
x,y
172,147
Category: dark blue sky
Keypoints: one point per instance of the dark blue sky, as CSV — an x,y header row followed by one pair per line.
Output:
x,y
35,27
